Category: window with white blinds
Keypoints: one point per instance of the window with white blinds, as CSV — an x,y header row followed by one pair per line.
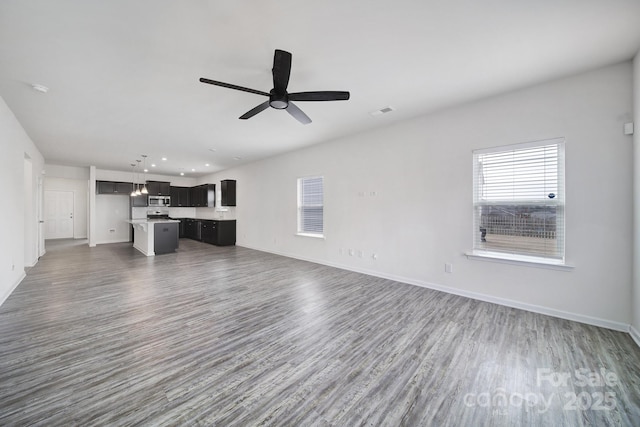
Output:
x,y
518,201
311,205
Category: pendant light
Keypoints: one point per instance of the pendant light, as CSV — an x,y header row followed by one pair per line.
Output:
x,y
138,192
144,185
133,178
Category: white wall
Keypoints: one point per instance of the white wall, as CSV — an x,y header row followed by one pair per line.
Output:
x,y
112,212
68,172
635,331
80,202
421,215
19,242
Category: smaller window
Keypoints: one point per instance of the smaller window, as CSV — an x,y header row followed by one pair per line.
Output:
x,y
311,206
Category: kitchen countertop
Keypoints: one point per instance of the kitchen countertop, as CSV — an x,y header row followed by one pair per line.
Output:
x,y
150,221
206,219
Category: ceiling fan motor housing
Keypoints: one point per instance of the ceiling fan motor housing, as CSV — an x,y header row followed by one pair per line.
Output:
x,y
278,101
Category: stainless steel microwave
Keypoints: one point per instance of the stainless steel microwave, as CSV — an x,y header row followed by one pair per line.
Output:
x,y
159,201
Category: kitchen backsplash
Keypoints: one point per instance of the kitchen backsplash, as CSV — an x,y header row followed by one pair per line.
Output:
x,y
204,213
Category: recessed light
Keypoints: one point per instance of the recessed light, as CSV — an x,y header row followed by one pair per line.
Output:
x,y
146,170
207,164
153,165
193,170
40,88
181,173
164,159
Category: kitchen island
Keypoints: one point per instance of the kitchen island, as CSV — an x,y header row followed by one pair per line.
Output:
x,y
155,236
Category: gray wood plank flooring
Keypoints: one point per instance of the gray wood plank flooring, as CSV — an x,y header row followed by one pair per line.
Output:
x,y
232,336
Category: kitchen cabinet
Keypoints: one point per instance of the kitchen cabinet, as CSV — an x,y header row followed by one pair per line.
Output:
x,y
112,187
141,201
228,190
158,188
219,233
192,229
225,232
181,227
202,196
179,196
214,232
208,229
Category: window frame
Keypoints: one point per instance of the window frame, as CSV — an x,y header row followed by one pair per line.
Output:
x,y
299,229
517,256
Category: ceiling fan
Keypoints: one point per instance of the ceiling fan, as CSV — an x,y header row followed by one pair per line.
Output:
x,y
279,98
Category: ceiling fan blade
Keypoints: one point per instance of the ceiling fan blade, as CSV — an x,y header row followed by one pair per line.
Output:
x,y
281,70
230,86
298,114
255,111
319,96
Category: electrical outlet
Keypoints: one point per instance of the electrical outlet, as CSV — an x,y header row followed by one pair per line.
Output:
x,y
351,252
448,268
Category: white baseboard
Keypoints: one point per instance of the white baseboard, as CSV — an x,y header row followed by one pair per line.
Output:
x,y
106,242
634,334
589,320
4,297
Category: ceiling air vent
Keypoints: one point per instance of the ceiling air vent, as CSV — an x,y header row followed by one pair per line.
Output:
x,y
382,111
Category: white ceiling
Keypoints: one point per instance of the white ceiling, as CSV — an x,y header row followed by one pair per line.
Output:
x,y
123,74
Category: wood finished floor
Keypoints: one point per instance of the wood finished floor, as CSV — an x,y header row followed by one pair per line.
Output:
x,y
232,336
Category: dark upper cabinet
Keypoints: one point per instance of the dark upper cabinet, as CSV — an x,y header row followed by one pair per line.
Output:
x,y
202,196
111,187
180,196
158,188
141,201
228,190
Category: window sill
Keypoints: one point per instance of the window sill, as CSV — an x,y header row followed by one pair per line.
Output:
x,y
519,260
315,236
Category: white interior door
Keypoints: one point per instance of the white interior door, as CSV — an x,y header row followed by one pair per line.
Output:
x,y
58,214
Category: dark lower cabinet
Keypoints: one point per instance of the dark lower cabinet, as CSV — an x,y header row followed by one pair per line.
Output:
x,y
226,232
219,233
209,232
214,232
165,237
192,229
181,227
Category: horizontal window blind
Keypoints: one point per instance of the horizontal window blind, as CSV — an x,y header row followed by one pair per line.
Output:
x,y
518,196
311,205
